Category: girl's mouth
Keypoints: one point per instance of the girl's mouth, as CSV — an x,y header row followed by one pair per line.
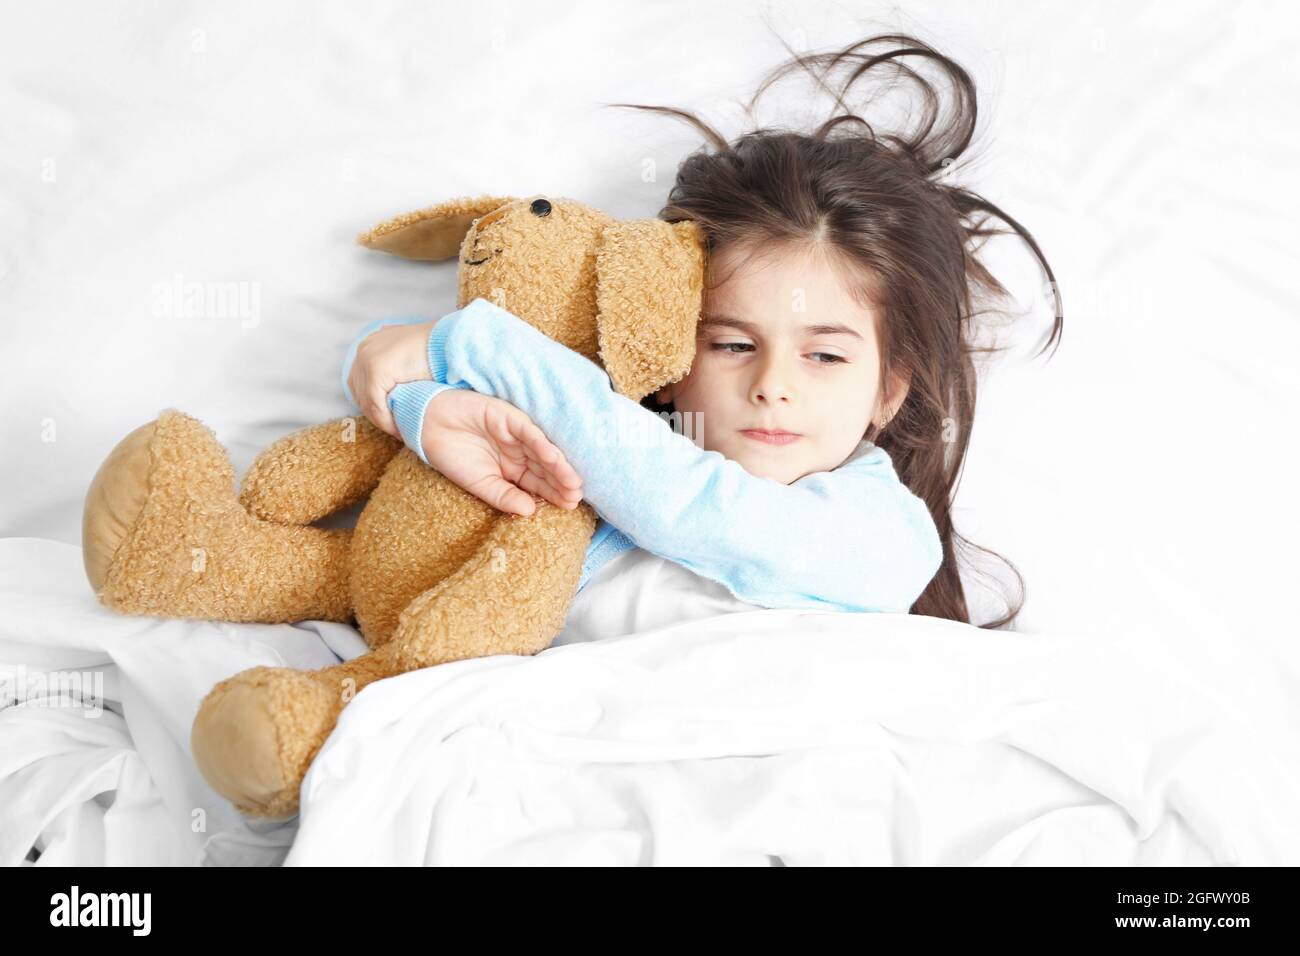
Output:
x,y
768,437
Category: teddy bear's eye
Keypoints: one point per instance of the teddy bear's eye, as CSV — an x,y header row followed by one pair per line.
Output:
x,y
540,207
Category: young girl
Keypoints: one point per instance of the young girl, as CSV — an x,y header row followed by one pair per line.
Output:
x,y
833,376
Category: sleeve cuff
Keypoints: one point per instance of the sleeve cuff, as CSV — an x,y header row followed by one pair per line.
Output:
x,y
480,311
438,345
408,403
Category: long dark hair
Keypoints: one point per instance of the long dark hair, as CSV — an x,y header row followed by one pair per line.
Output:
x,y
883,203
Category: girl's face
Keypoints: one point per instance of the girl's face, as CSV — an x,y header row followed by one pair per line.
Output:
x,y
782,346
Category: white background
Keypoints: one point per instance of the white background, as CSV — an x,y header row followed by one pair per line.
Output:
x,y
1141,480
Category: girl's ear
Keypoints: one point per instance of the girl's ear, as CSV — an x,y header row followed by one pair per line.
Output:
x,y
899,385
664,396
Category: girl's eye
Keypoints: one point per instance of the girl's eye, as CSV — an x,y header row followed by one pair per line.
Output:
x,y
735,348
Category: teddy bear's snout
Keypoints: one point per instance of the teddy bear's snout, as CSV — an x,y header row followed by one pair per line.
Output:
x,y
539,207
478,246
480,259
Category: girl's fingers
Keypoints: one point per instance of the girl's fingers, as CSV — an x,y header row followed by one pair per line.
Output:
x,y
504,432
545,473
518,502
545,451
564,472
383,415
561,494
530,482
538,485
538,480
516,429
504,496
533,479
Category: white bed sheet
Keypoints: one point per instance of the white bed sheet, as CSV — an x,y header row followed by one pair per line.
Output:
x,y
1139,480
760,738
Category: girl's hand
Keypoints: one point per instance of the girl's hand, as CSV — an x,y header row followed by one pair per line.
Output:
x,y
387,358
496,452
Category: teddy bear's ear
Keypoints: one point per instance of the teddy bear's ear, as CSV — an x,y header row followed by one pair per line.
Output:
x,y
432,234
649,287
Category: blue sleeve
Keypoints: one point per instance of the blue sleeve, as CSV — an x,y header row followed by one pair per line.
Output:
x,y
851,539
406,401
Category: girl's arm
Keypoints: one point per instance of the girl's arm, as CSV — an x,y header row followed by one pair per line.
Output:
x,y
853,539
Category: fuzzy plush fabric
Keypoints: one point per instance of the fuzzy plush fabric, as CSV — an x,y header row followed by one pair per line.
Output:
x,y
430,573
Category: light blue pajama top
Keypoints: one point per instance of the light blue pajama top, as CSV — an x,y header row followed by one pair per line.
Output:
x,y
851,539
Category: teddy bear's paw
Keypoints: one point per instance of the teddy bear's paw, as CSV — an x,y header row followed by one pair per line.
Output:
x,y
156,513
255,736
116,496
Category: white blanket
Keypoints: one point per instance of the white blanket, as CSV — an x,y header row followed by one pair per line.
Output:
x,y
761,737
112,782
780,737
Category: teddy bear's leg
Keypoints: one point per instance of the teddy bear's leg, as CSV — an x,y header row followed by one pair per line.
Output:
x,y
417,529
163,534
256,733
317,471
510,597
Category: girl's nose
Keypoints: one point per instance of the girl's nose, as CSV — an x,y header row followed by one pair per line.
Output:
x,y
772,380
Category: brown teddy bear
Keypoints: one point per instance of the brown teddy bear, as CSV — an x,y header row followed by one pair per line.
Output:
x,y
430,573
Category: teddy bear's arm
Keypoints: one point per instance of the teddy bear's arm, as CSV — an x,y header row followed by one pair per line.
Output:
x,y
317,471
